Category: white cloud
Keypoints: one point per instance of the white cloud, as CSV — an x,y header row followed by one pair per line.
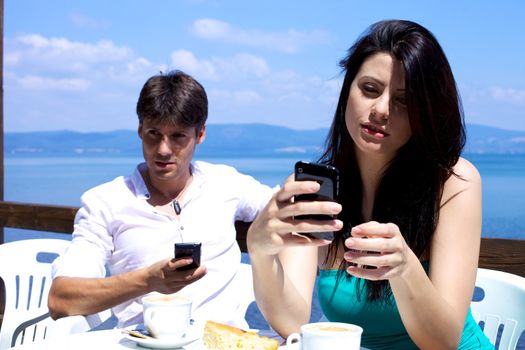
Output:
x,y
12,58
508,95
71,84
252,64
189,63
208,28
242,87
43,83
220,68
138,65
289,41
61,54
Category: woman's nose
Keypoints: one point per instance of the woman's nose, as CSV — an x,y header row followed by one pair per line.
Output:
x,y
381,109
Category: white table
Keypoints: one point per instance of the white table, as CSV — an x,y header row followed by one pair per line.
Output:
x,y
111,339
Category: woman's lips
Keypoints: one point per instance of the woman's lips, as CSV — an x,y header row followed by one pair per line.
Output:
x,y
373,130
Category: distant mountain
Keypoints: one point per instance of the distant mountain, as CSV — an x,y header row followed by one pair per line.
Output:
x,y
228,140
259,139
486,139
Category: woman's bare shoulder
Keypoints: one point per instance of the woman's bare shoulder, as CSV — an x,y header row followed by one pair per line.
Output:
x,y
466,171
465,176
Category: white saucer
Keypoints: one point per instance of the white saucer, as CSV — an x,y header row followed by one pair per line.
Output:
x,y
193,334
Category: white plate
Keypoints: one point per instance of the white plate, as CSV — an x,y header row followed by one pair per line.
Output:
x,y
193,334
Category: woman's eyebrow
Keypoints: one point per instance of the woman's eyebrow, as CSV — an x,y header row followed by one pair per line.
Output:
x,y
368,77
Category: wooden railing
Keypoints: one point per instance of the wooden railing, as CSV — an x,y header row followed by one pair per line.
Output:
x,y
498,254
59,219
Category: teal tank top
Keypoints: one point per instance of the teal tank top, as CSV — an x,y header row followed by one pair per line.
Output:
x,y
381,322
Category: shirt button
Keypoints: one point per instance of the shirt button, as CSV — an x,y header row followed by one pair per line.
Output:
x,y
182,227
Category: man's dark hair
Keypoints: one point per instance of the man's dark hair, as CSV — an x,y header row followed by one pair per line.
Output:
x,y
173,97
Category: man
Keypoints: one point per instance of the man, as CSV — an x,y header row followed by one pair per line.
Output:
x,y
130,225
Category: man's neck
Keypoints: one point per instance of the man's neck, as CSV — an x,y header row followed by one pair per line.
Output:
x,y
168,190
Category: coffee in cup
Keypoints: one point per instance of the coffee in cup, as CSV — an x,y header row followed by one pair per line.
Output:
x,y
326,335
166,316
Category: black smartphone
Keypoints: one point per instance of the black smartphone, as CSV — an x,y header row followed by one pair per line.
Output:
x,y
328,177
188,250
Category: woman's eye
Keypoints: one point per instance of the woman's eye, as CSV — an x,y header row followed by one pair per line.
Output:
x,y
401,101
369,89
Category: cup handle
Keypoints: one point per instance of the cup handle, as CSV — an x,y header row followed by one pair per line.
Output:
x,y
293,339
148,316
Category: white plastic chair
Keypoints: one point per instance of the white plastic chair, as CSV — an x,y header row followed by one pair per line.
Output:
x,y
243,281
25,268
503,304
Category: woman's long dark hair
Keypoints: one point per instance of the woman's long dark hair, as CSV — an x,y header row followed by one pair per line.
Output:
x,y
411,187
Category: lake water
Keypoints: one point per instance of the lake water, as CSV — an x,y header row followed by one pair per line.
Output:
x,y
63,180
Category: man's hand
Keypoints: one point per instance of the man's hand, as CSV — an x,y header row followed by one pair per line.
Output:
x,y
164,278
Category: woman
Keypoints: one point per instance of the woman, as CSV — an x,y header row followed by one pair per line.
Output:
x,y
411,204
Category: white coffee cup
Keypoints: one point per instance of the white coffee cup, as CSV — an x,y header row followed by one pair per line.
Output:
x,y
166,316
326,335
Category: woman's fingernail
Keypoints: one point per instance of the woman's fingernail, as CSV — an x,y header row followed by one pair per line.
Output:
x,y
336,208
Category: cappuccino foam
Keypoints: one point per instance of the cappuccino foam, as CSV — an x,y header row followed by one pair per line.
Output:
x,y
327,328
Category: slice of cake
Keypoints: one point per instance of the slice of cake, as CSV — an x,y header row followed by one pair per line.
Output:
x,y
218,336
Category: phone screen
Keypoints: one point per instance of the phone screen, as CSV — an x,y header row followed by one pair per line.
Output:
x,y
188,250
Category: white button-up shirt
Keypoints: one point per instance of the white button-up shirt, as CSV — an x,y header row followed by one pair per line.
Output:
x,y
116,228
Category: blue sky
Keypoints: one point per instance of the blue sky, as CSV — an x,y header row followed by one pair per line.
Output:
x,y
79,65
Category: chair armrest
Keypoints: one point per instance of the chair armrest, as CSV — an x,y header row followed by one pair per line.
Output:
x,y
68,325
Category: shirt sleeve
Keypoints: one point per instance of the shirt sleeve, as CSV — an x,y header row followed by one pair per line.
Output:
x,y
92,243
253,197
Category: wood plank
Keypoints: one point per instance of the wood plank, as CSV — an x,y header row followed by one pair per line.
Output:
x,y
39,217
503,254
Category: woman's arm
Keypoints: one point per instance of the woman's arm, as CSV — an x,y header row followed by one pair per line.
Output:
x,y
434,308
285,264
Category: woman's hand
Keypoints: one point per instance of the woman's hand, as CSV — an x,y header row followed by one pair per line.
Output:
x,y
275,227
377,251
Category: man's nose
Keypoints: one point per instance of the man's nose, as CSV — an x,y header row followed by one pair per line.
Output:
x,y
164,146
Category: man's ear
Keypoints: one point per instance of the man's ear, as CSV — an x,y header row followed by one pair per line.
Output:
x,y
139,130
201,135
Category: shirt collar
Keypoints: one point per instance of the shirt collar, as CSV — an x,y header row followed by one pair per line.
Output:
x,y
141,190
